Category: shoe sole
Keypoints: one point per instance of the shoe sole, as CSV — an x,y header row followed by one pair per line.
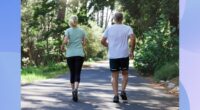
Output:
x,y
75,100
116,101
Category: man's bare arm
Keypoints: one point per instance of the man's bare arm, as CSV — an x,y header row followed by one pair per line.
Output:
x,y
132,44
104,42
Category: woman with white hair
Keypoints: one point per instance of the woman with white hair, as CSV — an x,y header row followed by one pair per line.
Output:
x,y
75,40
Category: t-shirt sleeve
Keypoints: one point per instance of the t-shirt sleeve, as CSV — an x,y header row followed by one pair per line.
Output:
x,y
130,31
66,33
84,34
105,33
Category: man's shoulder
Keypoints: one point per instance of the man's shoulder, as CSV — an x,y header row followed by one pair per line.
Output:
x,y
110,26
126,26
123,26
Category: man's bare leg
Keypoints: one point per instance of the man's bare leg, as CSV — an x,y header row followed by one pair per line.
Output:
x,y
124,80
124,84
115,76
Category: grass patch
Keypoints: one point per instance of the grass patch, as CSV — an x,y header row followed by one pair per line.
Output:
x,y
167,72
33,73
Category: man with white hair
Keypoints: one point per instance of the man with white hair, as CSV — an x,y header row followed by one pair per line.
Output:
x,y
116,39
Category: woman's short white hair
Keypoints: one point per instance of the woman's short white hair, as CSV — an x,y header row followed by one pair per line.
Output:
x,y
73,21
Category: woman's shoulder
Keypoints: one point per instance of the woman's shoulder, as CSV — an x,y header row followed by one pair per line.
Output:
x,y
67,30
80,29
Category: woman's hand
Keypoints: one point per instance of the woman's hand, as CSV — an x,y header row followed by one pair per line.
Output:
x,y
62,48
65,41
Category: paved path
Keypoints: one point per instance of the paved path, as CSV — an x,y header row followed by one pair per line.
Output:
x,y
95,93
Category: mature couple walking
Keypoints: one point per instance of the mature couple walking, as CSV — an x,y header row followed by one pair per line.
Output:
x,y
116,38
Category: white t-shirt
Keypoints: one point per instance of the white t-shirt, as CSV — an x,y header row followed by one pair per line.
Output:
x,y
117,36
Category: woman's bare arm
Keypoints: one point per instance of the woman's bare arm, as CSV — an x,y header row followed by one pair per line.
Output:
x,y
84,41
65,41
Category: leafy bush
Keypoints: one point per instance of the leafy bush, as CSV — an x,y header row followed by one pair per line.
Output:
x,y
167,72
159,45
93,49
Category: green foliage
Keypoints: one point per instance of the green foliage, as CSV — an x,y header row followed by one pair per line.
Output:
x,y
145,13
167,72
155,24
43,30
93,49
100,4
158,46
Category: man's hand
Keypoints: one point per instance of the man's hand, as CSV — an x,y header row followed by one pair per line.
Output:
x,y
131,55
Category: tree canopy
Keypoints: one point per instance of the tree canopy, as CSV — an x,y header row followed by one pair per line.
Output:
x,y
155,24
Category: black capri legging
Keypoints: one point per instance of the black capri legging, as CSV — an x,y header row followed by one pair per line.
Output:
x,y
75,65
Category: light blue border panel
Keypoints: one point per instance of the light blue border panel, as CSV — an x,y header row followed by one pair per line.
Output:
x,y
189,54
10,54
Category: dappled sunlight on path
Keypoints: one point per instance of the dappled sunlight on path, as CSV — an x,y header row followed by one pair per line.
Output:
x,y
95,93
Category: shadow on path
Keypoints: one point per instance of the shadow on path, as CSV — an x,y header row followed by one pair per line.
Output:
x,y
95,93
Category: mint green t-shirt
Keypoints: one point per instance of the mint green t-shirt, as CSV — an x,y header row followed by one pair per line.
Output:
x,y
74,46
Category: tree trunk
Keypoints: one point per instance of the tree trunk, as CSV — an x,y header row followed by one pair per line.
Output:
x,y
61,10
102,13
107,18
97,18
47,36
